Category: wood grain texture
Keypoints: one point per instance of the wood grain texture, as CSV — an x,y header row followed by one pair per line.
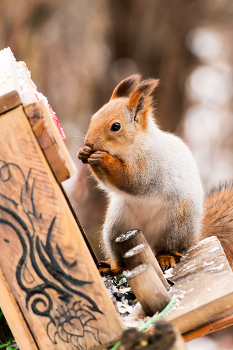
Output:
x,y
50,140
142,254
203,286
14,316
148,288
42,253
9,101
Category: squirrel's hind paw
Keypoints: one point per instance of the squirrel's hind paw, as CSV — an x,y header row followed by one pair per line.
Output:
x,y
105,269
167,260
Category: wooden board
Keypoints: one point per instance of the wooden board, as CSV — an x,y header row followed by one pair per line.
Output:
x,y
14,316
42,252
203,285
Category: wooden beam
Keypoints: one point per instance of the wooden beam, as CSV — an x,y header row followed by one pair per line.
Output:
x,y
209,327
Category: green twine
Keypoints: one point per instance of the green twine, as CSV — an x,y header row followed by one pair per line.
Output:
x,y
120,278
160,315
152,320
115,346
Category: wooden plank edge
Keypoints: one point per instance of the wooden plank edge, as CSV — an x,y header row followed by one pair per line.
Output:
x,y
50,140
209,327
91,250
63,151
225,304
14,317
9,101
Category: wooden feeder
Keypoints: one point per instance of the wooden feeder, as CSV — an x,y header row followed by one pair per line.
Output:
x,y
51,292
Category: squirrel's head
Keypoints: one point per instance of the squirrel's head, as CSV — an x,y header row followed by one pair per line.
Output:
x,y
119,123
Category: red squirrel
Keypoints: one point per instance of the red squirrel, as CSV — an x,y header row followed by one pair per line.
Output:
x,y
151,178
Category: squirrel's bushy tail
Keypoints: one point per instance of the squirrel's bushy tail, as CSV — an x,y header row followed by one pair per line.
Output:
x,y
218,216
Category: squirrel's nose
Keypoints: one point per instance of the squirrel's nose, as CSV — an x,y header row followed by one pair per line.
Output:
x,y
88,142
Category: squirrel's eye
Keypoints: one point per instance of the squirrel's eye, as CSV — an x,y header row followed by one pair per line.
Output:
x,y
115,127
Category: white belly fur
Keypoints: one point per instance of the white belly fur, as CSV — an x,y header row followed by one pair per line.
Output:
x,y
150,214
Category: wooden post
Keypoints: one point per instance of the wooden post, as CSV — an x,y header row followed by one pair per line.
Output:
x,y
141,254
129,240
127,243
43,256
148,288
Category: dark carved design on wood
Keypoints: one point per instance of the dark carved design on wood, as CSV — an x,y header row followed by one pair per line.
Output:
x,y
68,320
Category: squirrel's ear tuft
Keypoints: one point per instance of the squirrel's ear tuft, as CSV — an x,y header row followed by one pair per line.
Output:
x,y
126,86
142,94
148,86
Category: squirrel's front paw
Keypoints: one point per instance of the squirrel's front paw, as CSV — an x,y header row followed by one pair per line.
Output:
x,y
84,153
96,159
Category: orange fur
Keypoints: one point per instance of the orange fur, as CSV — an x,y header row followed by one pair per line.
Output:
x,y
134,99
144,120
116,172
168,260
125,87
99,136
218,220
183,210
129,106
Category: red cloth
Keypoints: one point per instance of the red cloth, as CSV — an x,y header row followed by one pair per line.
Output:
x,y
56,121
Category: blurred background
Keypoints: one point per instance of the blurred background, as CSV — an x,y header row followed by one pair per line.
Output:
x,y
79,50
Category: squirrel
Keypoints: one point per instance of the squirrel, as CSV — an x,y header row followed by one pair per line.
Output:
x,y
151,178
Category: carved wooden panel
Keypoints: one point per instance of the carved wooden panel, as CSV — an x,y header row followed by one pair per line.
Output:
x,y
42,253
